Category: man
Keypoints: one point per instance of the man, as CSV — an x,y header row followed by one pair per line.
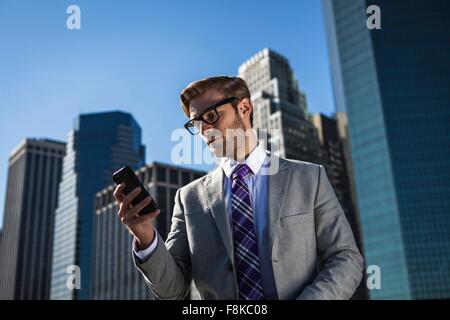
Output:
x,y
257,227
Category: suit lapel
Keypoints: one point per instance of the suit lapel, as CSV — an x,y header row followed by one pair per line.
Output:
x,y
278,186
214,191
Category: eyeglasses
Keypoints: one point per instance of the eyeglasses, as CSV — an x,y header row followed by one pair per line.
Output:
x,y
209,116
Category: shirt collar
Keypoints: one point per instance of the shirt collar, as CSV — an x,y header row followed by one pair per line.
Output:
x,y
255,160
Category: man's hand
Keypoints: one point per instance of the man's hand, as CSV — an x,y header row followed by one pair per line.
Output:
x,y
141,227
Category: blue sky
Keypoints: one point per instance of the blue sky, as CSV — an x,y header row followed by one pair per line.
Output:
x,y
137,56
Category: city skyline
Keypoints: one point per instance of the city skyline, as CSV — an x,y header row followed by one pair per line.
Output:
x,y
369,105
141,64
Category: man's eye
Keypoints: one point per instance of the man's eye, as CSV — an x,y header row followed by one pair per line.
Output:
x,y
209,115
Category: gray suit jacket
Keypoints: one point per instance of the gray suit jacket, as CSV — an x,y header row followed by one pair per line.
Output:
x,y
314,255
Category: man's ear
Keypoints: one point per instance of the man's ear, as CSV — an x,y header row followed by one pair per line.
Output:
x,y
246,108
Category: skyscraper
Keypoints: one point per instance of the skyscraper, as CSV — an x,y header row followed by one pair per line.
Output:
x,y
280,107
329,140
394,84
114,274
99,144
34,172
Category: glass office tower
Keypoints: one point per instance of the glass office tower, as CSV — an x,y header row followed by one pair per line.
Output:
x,y
394,84
99,144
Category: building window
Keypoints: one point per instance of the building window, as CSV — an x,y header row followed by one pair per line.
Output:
x,y
149,174
161,174
161,224
185,178
173,176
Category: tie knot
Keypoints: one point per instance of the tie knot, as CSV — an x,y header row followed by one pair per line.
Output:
x,y
241,171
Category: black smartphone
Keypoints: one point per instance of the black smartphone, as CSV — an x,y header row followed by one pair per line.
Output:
x,y
127,176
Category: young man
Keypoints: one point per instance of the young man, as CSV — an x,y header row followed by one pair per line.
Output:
x,y
245,231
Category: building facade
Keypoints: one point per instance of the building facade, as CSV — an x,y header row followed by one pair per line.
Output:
x,y
279,108
394,85
98,145
34,173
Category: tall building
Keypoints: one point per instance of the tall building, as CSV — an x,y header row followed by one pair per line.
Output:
x,y
114,274
98,145
394,85
280,107
329,140
34,172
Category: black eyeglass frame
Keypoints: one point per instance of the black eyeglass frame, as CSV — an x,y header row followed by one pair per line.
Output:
x,y
214,107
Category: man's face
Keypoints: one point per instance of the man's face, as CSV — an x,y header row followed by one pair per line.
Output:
x,y
215,135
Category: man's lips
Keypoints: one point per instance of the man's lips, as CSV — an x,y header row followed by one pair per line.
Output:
x,y
211,140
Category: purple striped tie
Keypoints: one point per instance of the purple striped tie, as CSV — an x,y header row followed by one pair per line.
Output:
x,y
245,248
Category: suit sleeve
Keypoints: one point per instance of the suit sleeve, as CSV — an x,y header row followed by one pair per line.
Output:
x,y
341,263
167,270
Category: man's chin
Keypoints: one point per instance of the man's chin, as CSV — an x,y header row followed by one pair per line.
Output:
x,y
217,149
217,152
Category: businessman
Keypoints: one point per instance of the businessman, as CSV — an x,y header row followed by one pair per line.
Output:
x,y
257,227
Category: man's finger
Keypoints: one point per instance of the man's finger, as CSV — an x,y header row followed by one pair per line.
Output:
x,y
130,197
135,211
118,192
144,218
122,210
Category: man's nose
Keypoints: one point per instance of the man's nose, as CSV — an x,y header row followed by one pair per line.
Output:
x,y
204,127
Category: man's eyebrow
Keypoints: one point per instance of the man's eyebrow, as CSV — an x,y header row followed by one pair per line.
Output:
x,y
195,115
